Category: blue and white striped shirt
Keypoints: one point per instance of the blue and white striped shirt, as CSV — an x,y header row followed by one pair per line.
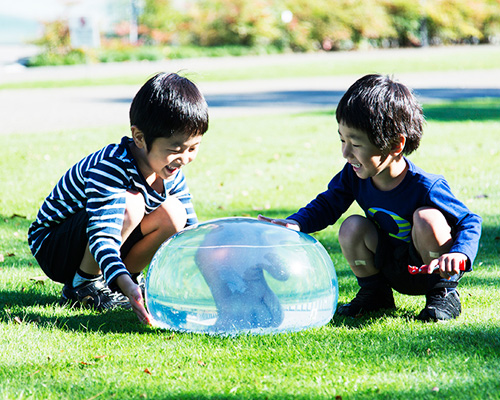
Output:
x,y
97,184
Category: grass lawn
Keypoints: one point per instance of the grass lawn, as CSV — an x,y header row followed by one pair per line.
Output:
x,y
246,166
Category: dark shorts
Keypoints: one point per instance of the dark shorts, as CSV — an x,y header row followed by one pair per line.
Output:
x,y
62,251
393,263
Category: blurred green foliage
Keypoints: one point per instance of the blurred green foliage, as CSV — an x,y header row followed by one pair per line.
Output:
x,y
338,24
160,21
265,26
57,47
240,22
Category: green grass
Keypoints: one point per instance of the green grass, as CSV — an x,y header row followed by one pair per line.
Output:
x,y
271,165
403,61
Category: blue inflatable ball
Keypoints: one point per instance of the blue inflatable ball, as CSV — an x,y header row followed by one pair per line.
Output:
x,y
241,275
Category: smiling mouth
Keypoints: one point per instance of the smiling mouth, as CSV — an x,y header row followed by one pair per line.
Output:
x,y
170,169
356,165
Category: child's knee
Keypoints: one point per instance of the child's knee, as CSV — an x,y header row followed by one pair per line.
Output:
x,y
431,233
429,221
135,209
352,229
172,215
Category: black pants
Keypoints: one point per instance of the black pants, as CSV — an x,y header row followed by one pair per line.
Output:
x,y
62,251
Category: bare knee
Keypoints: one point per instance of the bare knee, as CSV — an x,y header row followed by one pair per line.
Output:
x,y
357,229
428,221
171,216
358,240
431,233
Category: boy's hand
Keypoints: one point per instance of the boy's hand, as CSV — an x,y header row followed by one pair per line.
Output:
x,y
287,223
448,264
133,292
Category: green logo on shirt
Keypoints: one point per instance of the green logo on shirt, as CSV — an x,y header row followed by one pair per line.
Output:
x,y
403,226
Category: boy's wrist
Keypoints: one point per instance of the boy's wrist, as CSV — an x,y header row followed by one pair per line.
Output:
x,y
125,283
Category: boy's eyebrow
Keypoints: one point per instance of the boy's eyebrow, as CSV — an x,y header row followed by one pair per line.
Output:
x,y
355,136
180,143
177,144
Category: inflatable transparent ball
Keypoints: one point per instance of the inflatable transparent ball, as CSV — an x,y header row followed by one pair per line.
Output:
x,y
241,275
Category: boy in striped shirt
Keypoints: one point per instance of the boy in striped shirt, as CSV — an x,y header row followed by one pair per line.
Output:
x,y
106,217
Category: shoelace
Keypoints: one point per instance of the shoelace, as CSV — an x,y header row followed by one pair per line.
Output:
x,y
102,288
438,298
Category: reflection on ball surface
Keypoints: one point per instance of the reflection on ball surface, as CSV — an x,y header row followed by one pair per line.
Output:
x,y
235,275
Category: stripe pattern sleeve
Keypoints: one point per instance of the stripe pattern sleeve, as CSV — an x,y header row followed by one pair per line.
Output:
x,y
105,189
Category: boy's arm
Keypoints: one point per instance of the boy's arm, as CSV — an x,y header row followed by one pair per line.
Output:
x,y
466,226
105,207
287,223
328,206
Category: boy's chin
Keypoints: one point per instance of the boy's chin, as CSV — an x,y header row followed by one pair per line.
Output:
x,y
360,174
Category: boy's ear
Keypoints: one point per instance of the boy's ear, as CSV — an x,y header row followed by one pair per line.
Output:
x,y
399,145
138,137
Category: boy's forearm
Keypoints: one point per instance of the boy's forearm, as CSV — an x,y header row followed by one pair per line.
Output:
x,y
467,238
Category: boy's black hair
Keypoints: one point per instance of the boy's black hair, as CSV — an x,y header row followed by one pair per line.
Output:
x,y
168,104
384,109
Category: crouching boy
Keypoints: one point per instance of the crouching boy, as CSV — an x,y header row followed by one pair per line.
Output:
x,y
411,217
108,214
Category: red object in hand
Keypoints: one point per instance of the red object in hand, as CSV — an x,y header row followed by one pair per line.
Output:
x,y
424,268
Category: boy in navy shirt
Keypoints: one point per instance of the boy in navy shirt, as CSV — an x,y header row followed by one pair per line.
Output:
x,y
411,217
106,217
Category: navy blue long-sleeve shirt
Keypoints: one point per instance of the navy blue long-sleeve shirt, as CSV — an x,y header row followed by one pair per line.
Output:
x,y
393,210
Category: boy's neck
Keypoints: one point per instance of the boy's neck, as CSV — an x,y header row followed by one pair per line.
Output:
x,y
156,183
151,178
392,176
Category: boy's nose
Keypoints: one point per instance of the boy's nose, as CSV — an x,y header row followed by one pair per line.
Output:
x,y
346,151
185,158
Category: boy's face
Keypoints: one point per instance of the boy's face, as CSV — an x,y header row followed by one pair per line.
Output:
x,y
366,159
167,155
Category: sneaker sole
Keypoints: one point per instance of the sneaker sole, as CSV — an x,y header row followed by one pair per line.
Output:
x,y
86,302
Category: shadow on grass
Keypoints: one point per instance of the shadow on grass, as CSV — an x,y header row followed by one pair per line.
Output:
x,y
25,309
461,103
26,297
286,99
36,303
476,110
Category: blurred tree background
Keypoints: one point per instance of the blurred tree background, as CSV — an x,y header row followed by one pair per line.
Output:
x,y
160,29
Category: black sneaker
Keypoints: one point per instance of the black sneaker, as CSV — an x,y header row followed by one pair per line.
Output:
x,y
441,305
94,294
368,299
